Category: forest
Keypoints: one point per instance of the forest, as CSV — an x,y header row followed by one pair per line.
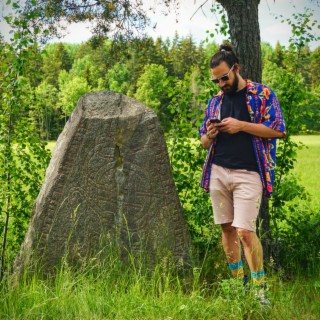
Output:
x,y
40,85
147,69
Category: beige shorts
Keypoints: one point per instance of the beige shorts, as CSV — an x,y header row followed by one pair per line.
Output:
x,y
236,196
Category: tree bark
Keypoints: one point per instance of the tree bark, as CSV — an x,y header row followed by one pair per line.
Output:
x,y
245,35
263,229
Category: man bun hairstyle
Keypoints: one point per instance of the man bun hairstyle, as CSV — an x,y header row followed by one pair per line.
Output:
x,y
225,54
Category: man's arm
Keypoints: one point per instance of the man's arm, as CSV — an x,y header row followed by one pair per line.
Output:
x,y
232,126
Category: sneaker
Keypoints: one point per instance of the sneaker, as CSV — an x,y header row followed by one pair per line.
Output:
x,y
246,283
260,294
245,280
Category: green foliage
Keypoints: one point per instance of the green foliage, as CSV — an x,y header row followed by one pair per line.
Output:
x,y
291,90
210,49
71,89
222,27
85,68
44,110
187,157
267,54
55,59
118,78
152,90
298,242
278,55
151,86
311,112
22,153
302,29
114,65
297,245
315,65
121,19
182,55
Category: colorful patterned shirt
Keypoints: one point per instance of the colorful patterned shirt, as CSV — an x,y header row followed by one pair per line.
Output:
x,y
264,108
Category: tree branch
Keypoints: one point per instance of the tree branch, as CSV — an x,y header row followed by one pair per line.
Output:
x,y
200,7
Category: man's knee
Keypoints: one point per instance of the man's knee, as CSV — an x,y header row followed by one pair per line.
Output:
x,y
245,235
228,230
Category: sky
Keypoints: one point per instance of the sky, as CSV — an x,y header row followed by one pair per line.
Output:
x,y
271,29
196,23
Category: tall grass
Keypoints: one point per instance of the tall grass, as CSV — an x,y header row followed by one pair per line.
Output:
x,y
112,290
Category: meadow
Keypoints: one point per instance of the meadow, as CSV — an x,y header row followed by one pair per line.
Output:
x,y
111,290
307,167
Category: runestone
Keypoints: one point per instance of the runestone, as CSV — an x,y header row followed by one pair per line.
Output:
x,y
109,184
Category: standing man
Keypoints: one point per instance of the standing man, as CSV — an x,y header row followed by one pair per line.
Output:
x,y
240,128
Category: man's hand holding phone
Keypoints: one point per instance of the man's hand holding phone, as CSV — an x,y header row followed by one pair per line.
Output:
x,y
212,130
215,120
229,125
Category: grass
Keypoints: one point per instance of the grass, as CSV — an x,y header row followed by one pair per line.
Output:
x,y
51,145
98,292
307,167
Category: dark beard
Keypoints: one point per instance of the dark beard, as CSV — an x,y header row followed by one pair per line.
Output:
x,y
233,88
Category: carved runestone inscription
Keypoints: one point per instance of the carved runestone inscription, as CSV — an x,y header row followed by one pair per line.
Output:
x,y
109,180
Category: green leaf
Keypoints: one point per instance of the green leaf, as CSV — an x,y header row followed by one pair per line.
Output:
x,y
15,5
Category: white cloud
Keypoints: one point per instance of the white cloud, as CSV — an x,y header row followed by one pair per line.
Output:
x,y
77,33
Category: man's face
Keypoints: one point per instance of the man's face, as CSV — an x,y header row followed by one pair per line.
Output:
x,y
229,86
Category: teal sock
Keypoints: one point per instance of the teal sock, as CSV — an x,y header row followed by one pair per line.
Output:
x,y
236,269
258,277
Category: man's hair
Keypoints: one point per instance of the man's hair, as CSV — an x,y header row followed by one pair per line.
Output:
x,y
225,54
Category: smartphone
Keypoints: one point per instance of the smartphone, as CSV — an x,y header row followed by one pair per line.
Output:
x,y
215,120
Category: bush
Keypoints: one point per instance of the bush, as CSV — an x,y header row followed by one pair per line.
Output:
x,y
298,243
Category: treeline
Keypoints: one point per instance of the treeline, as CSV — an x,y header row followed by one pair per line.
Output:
x,y
144,69
147,69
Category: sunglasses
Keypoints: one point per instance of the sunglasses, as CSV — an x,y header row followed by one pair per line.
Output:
x,y
224,78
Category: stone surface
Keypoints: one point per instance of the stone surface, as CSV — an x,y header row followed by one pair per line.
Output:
x,y
109,181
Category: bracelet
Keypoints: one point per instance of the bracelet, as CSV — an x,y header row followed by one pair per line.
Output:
x,y
208,136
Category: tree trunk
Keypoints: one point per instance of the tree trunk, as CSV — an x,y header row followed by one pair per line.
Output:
x,y
245,35
263,229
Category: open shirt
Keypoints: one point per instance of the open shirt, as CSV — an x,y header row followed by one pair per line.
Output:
x,y
263,107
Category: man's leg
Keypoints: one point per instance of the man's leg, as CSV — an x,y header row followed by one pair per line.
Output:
x,y
247,197
222,204
232,248
254,254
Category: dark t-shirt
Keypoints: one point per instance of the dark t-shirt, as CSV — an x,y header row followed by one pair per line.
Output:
x,y
235,151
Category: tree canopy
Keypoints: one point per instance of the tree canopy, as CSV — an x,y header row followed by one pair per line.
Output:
x,y
119,18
